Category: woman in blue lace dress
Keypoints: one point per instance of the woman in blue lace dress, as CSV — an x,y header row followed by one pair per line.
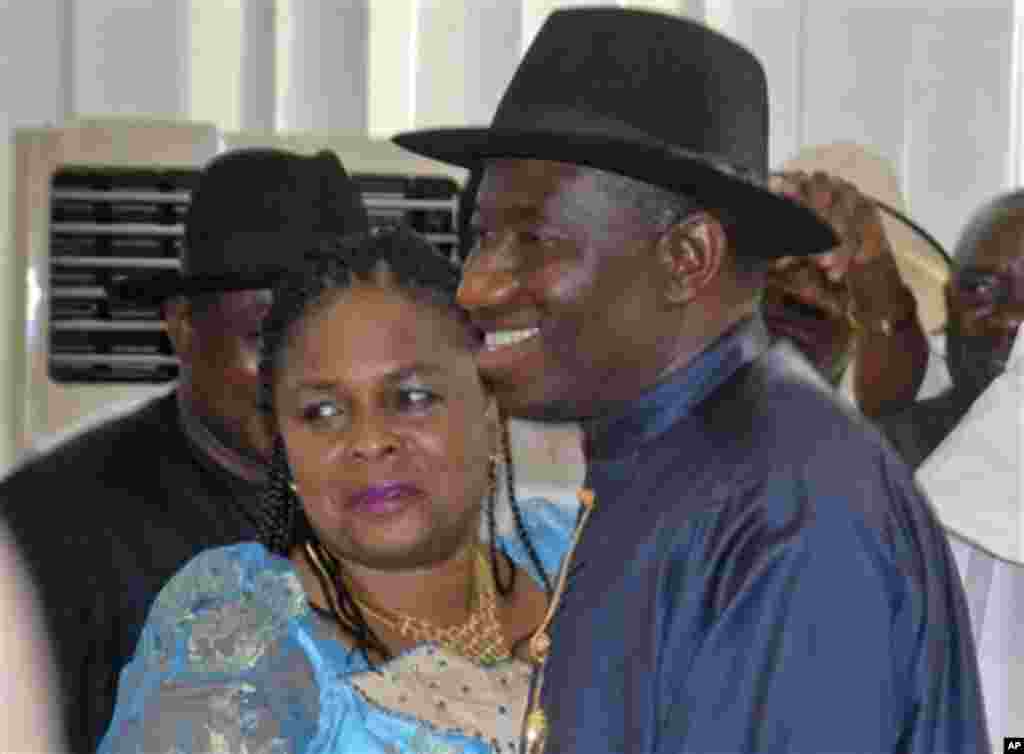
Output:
x,y
390,616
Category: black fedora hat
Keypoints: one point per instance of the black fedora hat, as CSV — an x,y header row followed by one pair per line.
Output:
x,y
253,215
653,97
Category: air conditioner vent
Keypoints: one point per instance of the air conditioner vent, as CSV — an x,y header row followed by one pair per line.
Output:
x,y
107,222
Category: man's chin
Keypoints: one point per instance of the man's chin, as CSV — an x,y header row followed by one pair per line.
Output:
x,y
530,403
974,362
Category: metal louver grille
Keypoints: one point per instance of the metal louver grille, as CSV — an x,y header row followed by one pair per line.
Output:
x,y
112,221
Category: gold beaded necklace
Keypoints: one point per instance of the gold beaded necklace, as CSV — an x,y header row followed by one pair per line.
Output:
x,y
480,638
535,724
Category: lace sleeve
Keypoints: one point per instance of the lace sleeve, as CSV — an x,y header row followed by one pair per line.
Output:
x,y
219,667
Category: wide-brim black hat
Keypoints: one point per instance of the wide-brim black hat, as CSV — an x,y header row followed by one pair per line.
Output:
x,y
657,98
252,217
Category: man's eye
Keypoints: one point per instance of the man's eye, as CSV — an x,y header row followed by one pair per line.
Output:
x,y
541,238
417,399
981,287
533,237
480,237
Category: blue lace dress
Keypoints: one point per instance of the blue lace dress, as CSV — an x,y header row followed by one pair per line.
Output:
x,y
232,659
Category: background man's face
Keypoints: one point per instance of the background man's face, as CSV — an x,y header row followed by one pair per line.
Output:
x,y
803,303
224,369
566,284
986,305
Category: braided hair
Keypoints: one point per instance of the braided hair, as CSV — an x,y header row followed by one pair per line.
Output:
x,y
420,270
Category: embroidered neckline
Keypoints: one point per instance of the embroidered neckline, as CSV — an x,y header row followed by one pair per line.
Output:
x,y
432,687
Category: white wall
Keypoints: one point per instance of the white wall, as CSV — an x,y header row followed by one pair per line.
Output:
x,y
129,57
326,79
927,83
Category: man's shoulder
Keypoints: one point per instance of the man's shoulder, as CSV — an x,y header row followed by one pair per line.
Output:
x,y
124,442
777,435
779,406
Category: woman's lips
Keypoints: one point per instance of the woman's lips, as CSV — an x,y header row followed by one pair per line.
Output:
x,y
382,499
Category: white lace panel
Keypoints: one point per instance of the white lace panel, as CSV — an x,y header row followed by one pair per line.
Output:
x,y
450,693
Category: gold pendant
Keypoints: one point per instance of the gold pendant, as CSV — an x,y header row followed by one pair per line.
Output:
x,y
540,645
536,731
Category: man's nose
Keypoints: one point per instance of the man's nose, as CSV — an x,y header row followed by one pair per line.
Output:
x,y
1007,317
490,277
1003,320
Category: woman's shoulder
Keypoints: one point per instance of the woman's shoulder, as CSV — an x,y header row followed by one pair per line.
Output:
x,y
549,517
549,524
230,581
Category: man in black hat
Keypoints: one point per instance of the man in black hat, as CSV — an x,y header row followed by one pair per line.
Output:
x,y
758,572
107,517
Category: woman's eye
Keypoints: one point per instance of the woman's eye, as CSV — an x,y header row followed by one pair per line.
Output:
x,y
320,411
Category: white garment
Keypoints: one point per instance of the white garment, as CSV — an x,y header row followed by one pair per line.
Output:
x,y
995,599
973,478
974,481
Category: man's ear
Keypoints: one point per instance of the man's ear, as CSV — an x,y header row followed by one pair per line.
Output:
x,y
178,320
691,253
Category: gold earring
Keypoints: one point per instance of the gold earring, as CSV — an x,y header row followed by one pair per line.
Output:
x,y
492,472
293,486
851,318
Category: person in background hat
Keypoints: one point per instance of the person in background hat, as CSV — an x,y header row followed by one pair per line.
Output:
x,y
849,310
755,570
985,304
108,516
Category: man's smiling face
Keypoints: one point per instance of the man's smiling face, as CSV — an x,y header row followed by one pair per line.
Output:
x,y
567,285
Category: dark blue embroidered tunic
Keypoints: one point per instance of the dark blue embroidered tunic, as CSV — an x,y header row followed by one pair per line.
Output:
x,y
760,575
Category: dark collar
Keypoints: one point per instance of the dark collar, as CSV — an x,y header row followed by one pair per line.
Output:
x,y
210,446
626,428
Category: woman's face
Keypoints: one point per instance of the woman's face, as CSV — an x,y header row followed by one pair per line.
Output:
x,y
387,428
